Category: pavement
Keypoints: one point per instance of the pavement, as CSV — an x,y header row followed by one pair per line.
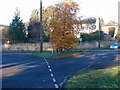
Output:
x,y
23,70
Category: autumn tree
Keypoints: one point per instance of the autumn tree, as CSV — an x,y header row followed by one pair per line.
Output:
x,y
34,24
48,17
63,35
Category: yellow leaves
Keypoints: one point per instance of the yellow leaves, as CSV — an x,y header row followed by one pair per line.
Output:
x,y
63,35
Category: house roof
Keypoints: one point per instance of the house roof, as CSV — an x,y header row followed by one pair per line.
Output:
x,y
111,23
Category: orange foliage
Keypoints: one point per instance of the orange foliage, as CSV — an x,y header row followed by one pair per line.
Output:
x,y
64,20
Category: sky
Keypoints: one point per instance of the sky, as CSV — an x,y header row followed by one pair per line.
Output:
x,y
106,9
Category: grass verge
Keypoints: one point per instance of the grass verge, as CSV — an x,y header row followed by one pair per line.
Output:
x,y
48,54
100,78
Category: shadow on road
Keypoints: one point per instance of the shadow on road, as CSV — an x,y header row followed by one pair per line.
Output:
x,y
25,71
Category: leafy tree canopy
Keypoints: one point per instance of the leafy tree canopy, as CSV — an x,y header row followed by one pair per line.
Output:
x,y
34,24
91,20
16,32
64,20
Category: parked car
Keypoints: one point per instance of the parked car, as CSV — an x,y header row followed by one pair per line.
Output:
x,y
115,46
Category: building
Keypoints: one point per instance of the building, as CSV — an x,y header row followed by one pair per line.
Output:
x,y
88,25
93,27
105,28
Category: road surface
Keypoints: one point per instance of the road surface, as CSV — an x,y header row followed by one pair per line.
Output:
x,y
23,70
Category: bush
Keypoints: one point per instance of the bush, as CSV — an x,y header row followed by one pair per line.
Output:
x,y
92,36
96,35
86,37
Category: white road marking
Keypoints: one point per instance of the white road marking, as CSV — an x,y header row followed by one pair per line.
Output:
x,y
54,80
51,74
56,86
48,66
91,56
86,67
47,63
96,55
102,54
50,70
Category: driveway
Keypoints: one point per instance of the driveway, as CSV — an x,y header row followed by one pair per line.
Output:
x,y
22,70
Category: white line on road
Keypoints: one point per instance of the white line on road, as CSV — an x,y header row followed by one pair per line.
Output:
x,y
54,80
56,86
46,61
86,67
48,66
51,74
50,70
96,55
102,54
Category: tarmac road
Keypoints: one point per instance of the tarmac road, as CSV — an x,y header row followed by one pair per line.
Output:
x,y
23,70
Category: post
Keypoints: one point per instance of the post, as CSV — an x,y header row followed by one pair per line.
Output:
x,y
99,33
41,29
52,43
51,30
52,48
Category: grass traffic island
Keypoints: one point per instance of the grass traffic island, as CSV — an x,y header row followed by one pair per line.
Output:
x,y
48,54
100,78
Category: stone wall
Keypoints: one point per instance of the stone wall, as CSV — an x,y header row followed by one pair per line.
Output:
x,y
47,46
24,47
103,44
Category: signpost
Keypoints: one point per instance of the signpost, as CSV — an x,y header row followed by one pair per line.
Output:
x,y
51,29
